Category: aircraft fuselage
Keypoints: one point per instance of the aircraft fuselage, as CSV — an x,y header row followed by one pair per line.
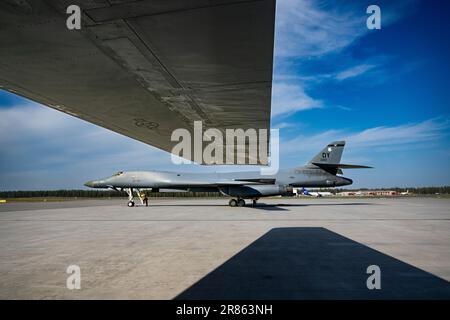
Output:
x,y
230,183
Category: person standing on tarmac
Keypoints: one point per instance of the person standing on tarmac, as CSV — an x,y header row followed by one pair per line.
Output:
x,y
144,198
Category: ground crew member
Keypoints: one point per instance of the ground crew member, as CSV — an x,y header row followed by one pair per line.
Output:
x,y
144,198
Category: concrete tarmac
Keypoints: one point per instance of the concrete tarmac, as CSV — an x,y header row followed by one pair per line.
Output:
x,y
202,249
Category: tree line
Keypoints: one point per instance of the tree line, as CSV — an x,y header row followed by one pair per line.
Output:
x,y
414,190
97,194
114,194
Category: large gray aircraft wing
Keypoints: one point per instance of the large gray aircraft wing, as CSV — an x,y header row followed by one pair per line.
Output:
x,y
143,68
215,183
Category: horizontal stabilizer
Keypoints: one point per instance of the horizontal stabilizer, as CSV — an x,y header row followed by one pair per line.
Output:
x,y
341,166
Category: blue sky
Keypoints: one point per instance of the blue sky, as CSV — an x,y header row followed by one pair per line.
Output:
x,y
386,92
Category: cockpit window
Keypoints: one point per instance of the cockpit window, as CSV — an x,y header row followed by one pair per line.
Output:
x,y
118,174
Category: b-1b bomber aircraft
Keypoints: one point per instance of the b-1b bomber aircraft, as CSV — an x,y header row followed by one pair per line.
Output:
x,y
321,171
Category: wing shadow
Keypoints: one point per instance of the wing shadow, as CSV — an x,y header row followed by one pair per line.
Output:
x,y
313,263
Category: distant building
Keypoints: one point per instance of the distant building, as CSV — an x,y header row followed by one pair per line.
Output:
x,y
366,193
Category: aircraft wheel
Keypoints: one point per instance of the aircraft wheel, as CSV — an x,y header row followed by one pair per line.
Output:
x,y
131,203
232,203
241,203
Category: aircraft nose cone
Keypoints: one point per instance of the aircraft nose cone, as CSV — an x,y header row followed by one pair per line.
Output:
x,y
89,184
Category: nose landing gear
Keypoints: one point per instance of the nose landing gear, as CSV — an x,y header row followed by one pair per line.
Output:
x,y
142,197
129,191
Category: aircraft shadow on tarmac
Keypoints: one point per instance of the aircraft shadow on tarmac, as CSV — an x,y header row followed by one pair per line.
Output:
x,y
280,206
313,263
270,207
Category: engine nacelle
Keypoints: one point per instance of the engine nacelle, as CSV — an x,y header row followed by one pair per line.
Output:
x,y
255,191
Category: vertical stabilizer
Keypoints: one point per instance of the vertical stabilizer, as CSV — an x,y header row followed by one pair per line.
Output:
x,y
331,154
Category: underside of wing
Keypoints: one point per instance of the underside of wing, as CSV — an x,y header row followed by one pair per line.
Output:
x,y
144,68
214,184
257,181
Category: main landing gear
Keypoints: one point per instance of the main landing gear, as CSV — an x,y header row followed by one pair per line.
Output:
x,y
236,203
241,203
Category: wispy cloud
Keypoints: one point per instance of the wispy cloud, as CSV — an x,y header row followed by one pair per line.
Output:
x,y
283,125
288,98
353,71
371,138
314,29
289,95
304,28
408,133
